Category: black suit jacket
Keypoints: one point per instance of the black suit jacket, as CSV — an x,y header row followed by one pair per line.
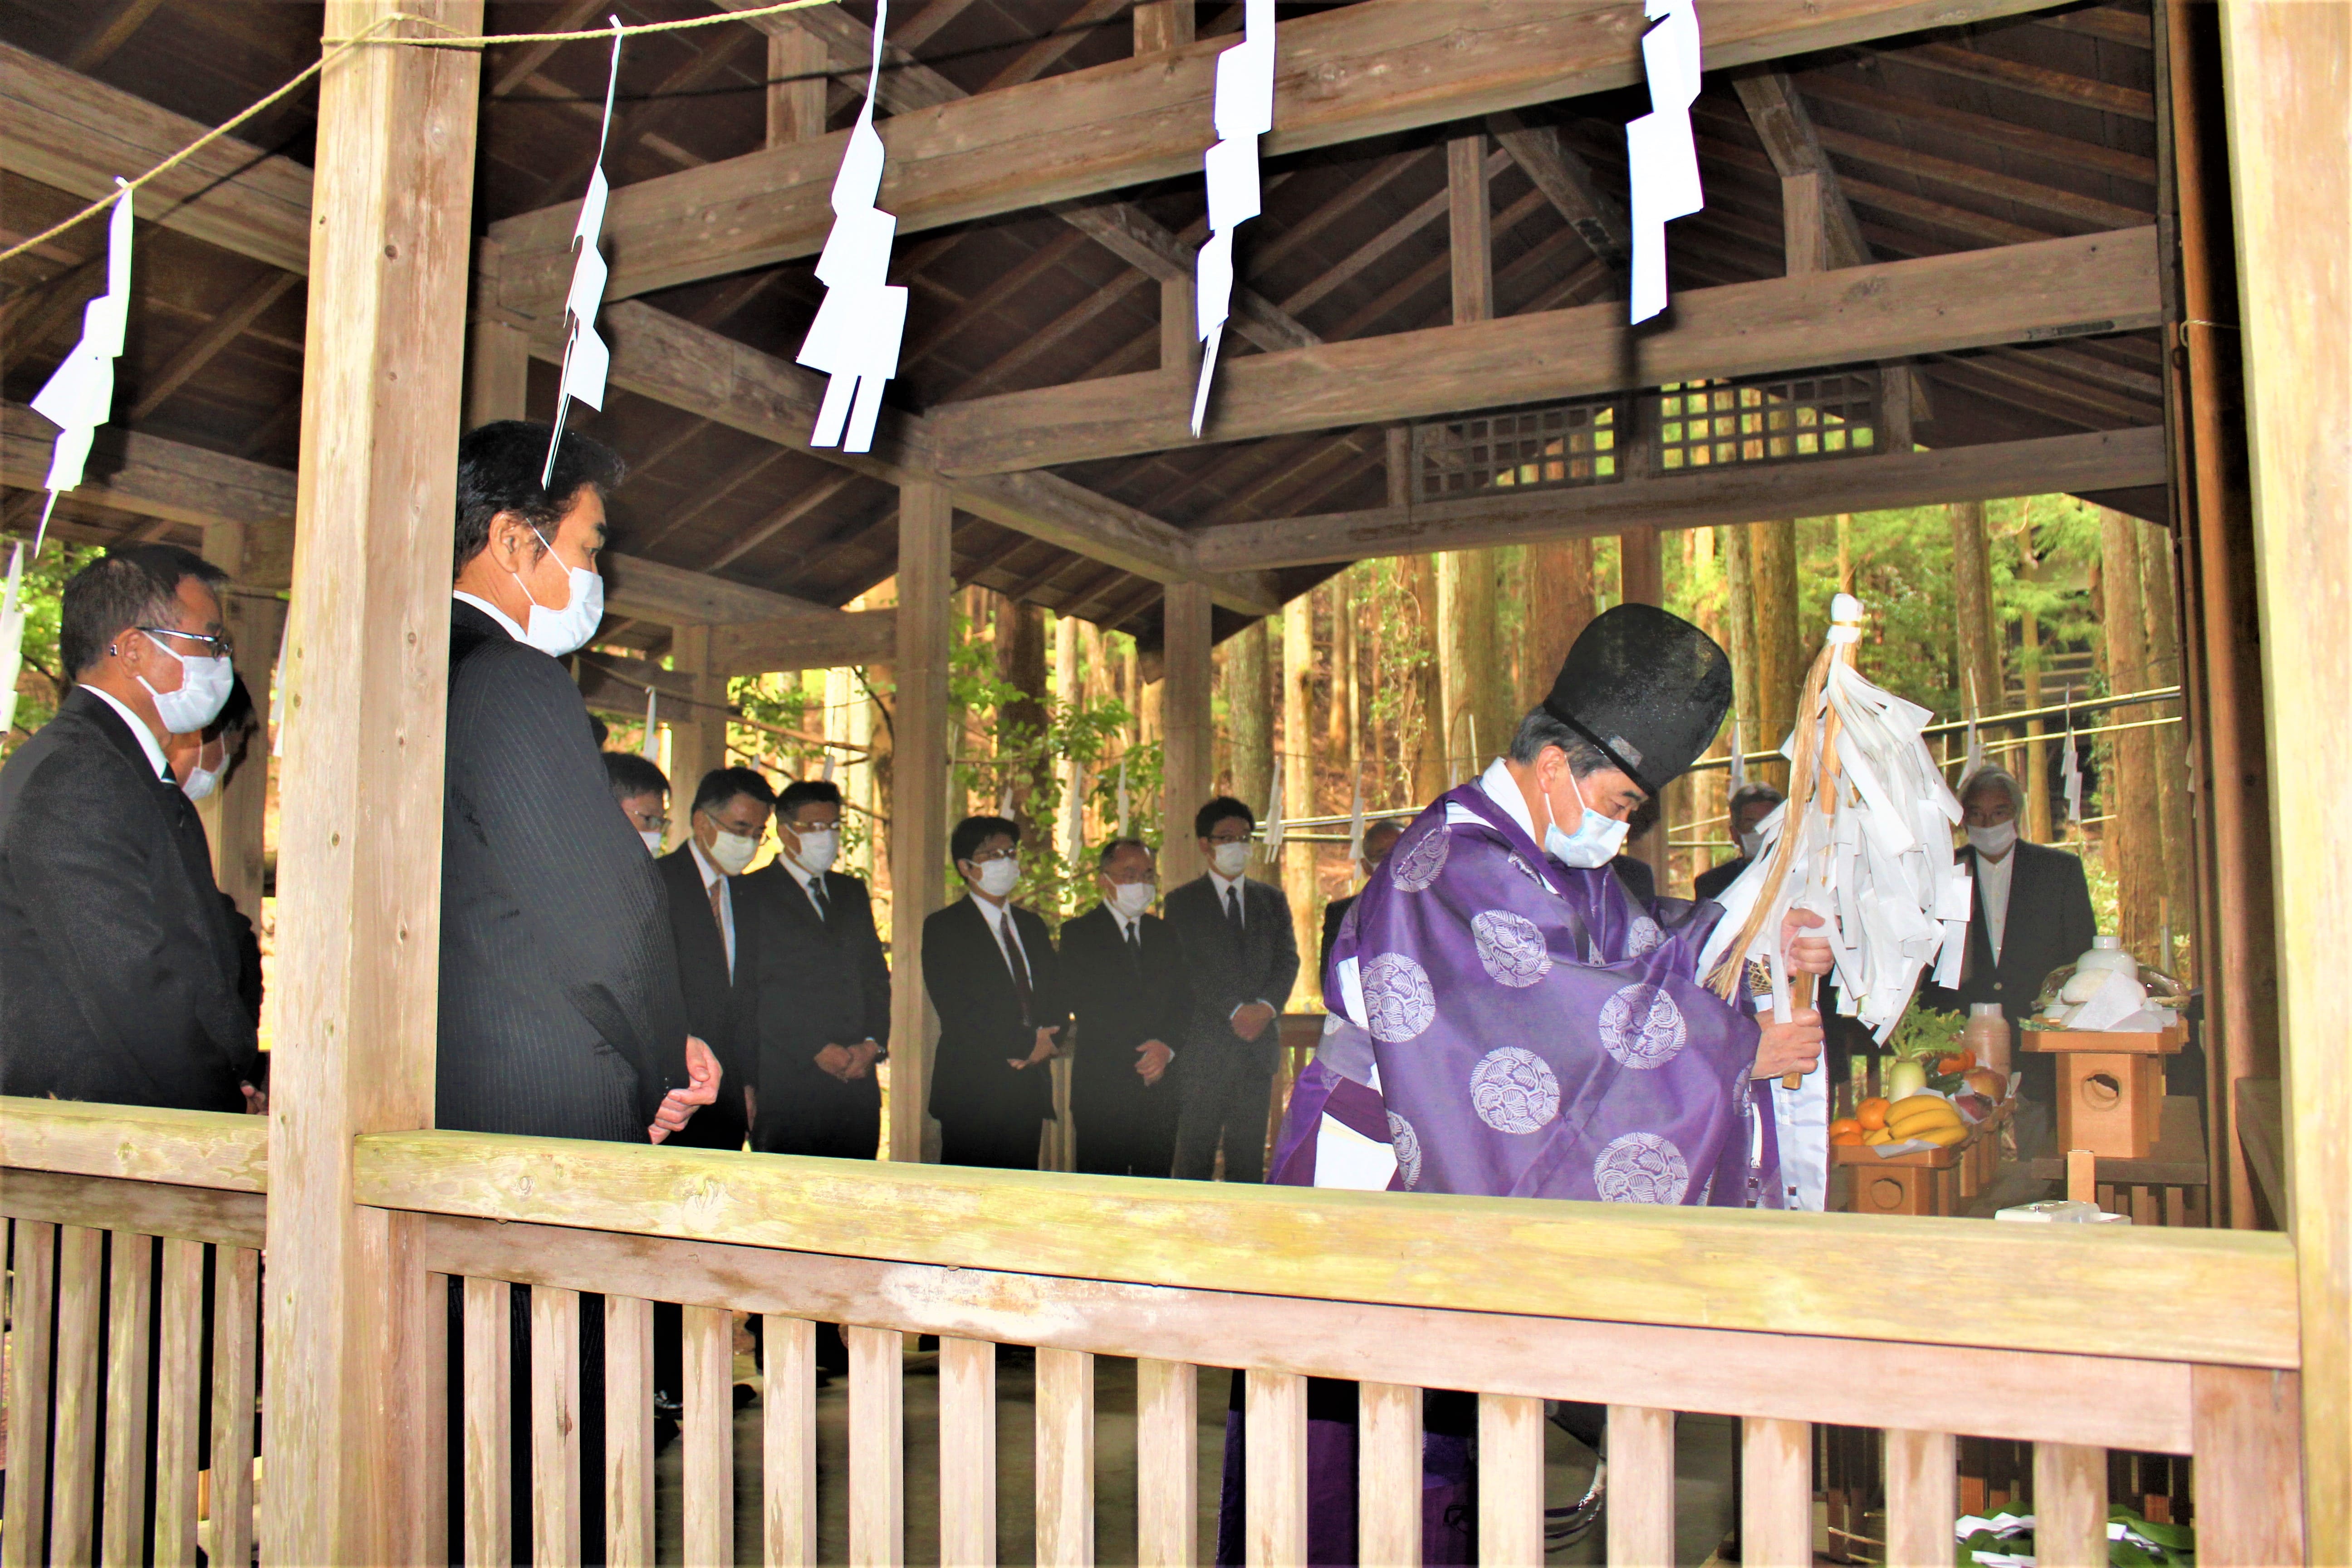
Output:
x,y
119,974
1709,884
1119,1000
980,1028
815,983
719,1006
2049,922
1334,913
560,1013
1223,974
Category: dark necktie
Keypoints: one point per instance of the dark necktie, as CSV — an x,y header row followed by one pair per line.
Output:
x,y
816,895
1019,965
1135,942
1234,910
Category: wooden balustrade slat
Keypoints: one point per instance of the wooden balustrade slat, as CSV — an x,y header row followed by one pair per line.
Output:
x,y
707,1436
1388,1474
236,1368
2115,1400
1923,1497
73,1488
2070,1506
554,1427
877,1449
787,1435
1166,1463
1066,1459
1511,1480
130,1310
1274,1487
2249,1472
432,1536
178,1390
1776,1500
967,1452
489,1451
628,1432
1641,1487
32,1326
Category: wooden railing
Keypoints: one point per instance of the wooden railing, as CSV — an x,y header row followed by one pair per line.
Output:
x,y
2074,1338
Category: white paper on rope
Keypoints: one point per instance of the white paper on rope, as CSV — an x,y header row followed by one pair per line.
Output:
x,y
1662,158
1244,113
586,360
11,637
79,393
2070,767
650,747
858,329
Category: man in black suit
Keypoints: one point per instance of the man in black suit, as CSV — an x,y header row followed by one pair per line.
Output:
x,y
118,972
1750,804
642,792
1240,962
1126,985
1378,839
560,1013
2032,913
993,981
822,989
714,921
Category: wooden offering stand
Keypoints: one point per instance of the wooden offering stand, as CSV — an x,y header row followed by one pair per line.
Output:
x,y
2110,1086
1925,1181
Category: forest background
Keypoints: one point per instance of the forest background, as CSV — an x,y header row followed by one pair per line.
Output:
x,y
1401,676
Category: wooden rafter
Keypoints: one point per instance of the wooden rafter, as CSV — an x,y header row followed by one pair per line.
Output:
x,y
2059,87
207,344
1568,181
2032,141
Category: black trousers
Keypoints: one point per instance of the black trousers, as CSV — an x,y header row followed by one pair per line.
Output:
x,y
1225,1096
997,1144
1126,1131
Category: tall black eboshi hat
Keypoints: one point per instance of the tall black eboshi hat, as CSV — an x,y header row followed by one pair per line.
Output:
x,y
1647,688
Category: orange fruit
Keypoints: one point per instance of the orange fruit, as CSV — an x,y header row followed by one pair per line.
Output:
x,y
1871,1114
1956,1062
1845,1130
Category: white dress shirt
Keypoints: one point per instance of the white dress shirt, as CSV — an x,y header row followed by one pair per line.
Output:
x,y
1992,892
1007,934
1231,885
138,727
713,877
514,628
811,883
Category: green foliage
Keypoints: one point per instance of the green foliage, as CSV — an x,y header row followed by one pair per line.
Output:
x,y
43,681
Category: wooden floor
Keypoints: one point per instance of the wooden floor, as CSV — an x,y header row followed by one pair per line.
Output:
x,y
1703,1498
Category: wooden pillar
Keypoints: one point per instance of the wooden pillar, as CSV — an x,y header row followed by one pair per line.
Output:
x,y
2169,746
1781,654
1299,781
1467,667
366,668
1424,755
1249,713
1161,25
1559,606
797,59
2129,841
497,374
1981,683
1739,626
2285,70
698,727
1185,727
919,804
1641,577
234,813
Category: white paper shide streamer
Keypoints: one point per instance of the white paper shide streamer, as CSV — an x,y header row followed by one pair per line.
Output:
x,y
2070,767
586,360
12,637
650,747
855,336
79,393
1662,158
1244,111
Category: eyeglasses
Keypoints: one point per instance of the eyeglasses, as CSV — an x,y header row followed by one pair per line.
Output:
x,y
214,648
649,824
1242,837
984,856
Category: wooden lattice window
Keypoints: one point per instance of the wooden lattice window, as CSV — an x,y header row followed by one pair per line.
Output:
x,y
1712,423
1555,446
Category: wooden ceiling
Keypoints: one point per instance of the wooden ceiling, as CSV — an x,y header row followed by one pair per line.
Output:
x,y
1966,139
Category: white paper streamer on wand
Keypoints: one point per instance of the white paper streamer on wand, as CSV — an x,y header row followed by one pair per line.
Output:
x,y
650,747
12,637
1244,113
1738,759
2070,767
1975,759
1122,797
1662,158
585,358
855,336
79,393
825,772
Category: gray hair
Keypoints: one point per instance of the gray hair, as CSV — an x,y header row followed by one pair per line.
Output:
x,y
1991,777
1541,729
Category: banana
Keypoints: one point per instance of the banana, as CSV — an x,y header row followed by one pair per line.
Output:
x,y
1941,1137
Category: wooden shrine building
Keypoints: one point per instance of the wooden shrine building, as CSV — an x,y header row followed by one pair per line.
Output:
x,y
2087,249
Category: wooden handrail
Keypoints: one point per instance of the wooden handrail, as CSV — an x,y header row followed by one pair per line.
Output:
x,y
2215,1297
137,1142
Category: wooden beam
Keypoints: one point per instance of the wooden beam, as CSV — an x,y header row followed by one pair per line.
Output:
x,y
761,647
1700,499
2092,284
698,733
1568,181
675,596
349,1318
2284,73
1358,71
151,477
1784,126
1187,727
918,810
797,59
207,345
67,130
1470,229
2059,87
497,374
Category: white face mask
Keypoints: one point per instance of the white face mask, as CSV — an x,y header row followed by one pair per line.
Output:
x,y
204,691
1595,841
1131,899
1230,859
652,835
819,847
1996,840
556,632
997,877
1751,844
201,783
731,852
